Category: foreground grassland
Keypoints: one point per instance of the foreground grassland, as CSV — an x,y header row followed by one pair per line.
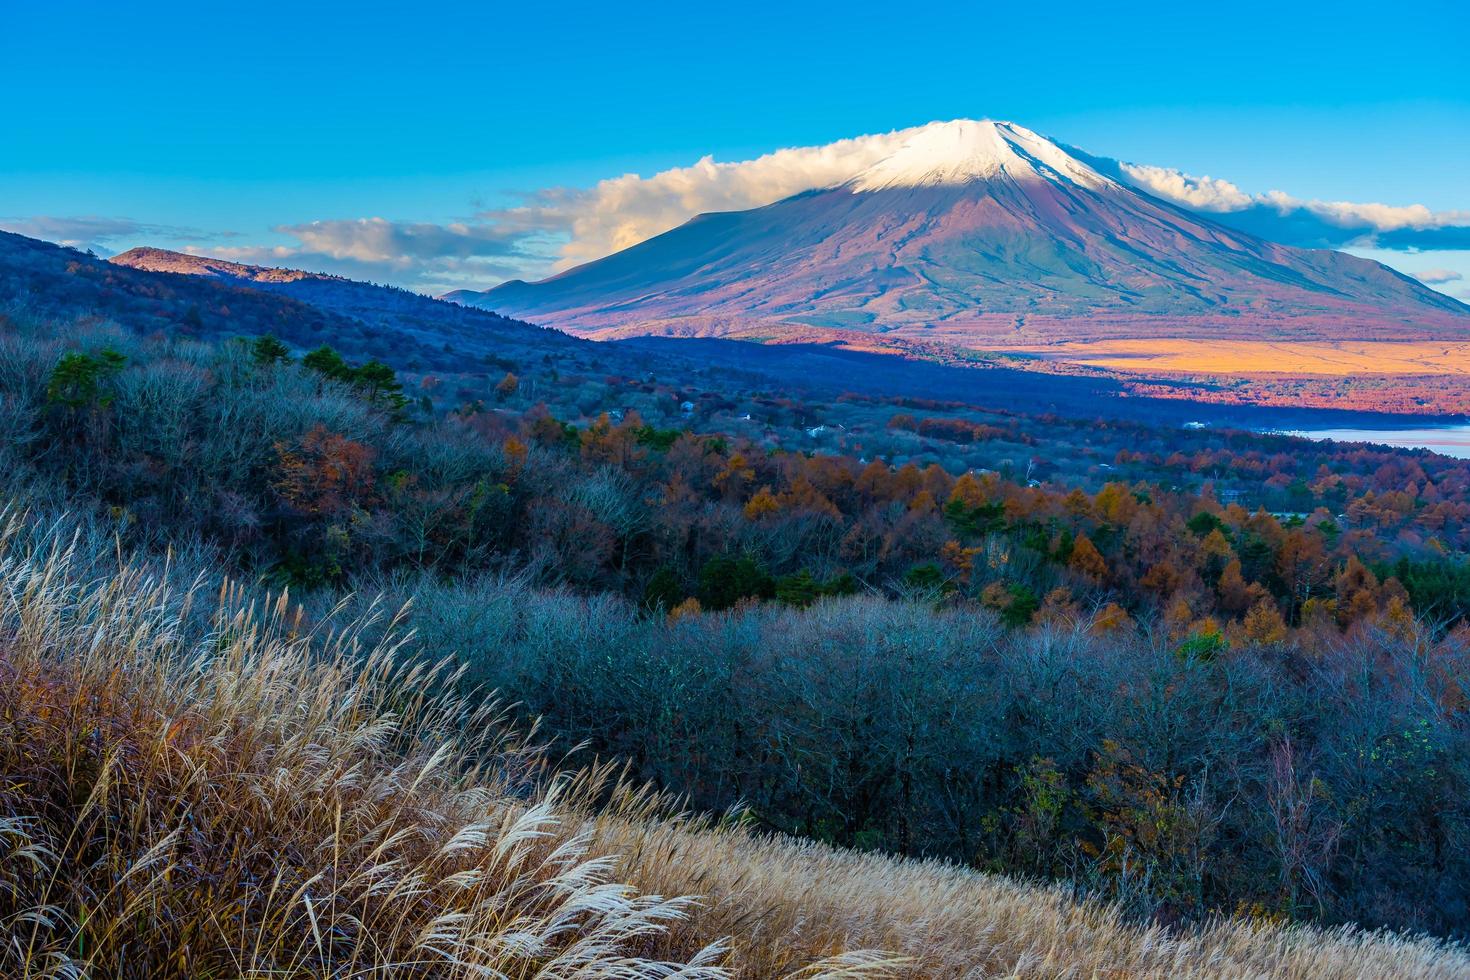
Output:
x,y
789,901
202,784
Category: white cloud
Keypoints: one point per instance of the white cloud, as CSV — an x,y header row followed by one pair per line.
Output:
x,y
560,225
1212,195
1438,277
85,232
401,242
244,254
426,273
418,254
1280,217
626,210
1200,193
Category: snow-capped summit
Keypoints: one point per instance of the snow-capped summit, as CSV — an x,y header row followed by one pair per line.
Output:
x,y
978,232
963,150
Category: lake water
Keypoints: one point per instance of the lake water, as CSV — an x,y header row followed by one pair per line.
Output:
x,y
1451,440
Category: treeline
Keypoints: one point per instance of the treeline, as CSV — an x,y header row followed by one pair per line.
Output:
x,y
303,468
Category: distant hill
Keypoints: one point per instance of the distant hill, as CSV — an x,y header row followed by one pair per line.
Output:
x,y
980,233
152,290
156,291
164,260
49,282
405,313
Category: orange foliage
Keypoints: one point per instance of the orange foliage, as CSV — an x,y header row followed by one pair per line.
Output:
x,y
1087,560
327,474
762,503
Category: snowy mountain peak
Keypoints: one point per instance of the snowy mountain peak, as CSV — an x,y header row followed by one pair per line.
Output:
x,y
963,150
976,233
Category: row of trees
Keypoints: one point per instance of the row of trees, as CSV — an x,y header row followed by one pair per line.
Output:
x,y
302,470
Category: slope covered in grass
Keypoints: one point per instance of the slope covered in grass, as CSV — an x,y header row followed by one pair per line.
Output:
x,y
226,795
789,900
201,783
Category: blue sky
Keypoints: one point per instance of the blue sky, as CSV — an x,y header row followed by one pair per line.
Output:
x,y
230,129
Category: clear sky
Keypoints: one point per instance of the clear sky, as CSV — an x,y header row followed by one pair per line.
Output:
x,y
232,127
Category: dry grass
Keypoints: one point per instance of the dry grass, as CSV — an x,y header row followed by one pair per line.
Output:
x,y
785,901
253,801
223,792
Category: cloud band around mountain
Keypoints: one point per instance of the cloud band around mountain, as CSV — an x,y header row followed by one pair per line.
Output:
x,y
622,211
1280,217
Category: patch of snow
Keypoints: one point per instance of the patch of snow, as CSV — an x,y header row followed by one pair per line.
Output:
x,y
963,150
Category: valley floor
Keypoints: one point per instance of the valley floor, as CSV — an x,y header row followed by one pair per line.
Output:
x,y
1228,357
1424,378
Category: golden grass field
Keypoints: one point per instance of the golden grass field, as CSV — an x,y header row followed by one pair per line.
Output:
x,y
205,785
1345,358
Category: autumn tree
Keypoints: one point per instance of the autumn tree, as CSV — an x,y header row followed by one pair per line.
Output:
x,y
326,483
1111,618
761,504
1235,594
734,477
1087,560
1263,624
1059,608
1214,554
326,474
605,443
970,510
1357,593
544,429
507,386
1301,565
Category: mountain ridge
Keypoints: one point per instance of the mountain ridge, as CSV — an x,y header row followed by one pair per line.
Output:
x,y
424,319
186,263
978,228
43,280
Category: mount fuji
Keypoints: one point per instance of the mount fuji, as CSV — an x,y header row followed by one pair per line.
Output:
x,y
984,233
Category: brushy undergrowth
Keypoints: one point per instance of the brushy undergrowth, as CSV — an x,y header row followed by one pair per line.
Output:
x,y
200,783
